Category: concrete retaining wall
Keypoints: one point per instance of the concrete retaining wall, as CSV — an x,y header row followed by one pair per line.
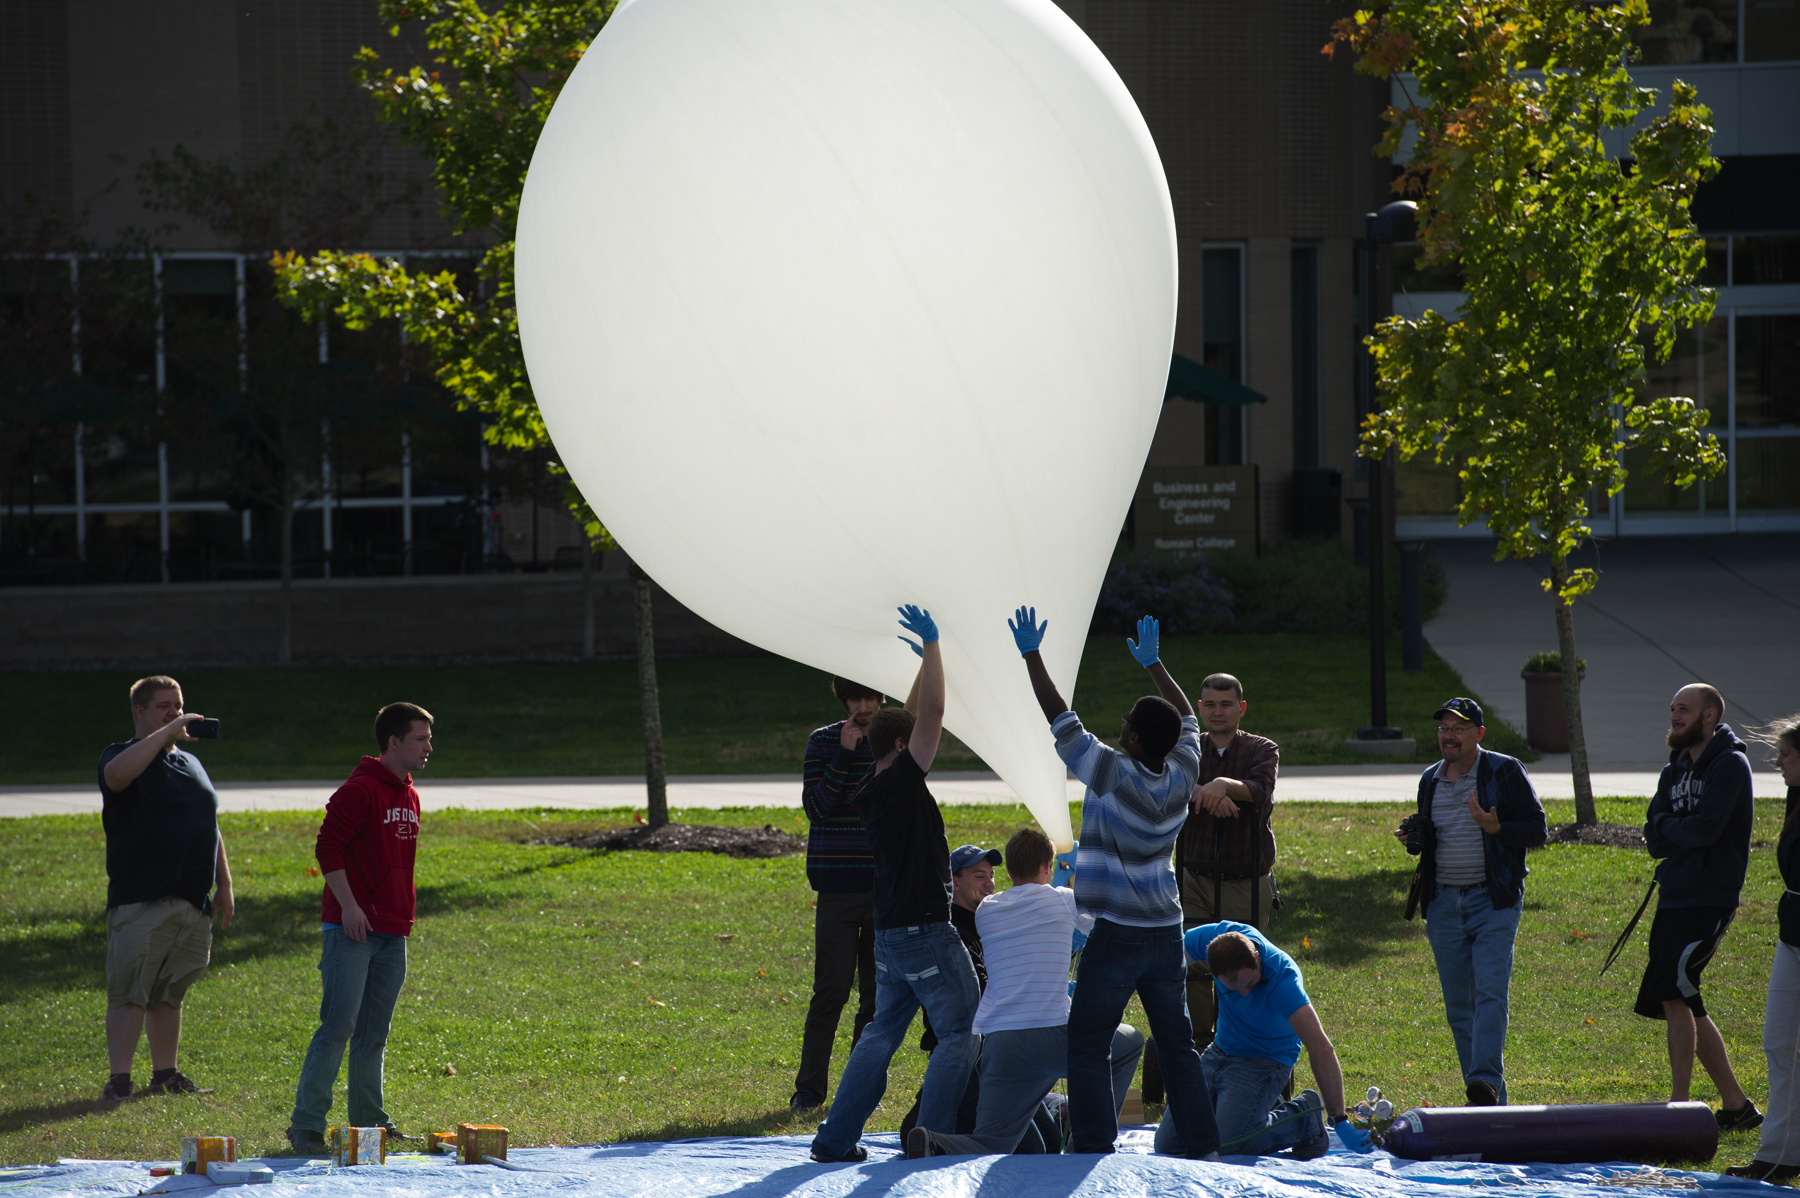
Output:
x,y
426,620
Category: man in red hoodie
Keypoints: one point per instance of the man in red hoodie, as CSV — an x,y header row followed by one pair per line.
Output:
x,y
365,848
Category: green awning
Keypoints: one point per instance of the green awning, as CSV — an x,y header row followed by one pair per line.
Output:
x,y
1190,380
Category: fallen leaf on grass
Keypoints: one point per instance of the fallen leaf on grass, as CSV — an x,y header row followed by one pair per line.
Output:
x,y
1588,1022
638,964
762,973
1578,934
312,871
724,935
449,1069
637,817
782,997
656,1002
1306,942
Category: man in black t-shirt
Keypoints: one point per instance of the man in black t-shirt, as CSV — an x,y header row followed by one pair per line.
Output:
x,y
920,960
163,856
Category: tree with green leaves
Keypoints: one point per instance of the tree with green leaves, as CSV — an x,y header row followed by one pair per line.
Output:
x,y
1579,267
476,111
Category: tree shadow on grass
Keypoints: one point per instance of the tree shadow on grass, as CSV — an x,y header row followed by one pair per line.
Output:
x,y
264,926
1347,919
19,1118
781,1120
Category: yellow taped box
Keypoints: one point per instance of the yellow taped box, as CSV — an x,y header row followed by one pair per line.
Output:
x,y
441,1141
197,1152
358,1146
478,1140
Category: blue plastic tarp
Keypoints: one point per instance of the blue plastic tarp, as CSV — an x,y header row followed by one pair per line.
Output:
x,y
777,1166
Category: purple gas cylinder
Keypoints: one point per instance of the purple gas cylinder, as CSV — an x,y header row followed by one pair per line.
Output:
x,y
1595,1131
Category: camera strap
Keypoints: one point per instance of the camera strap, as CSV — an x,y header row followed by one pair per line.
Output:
x,y
1619,944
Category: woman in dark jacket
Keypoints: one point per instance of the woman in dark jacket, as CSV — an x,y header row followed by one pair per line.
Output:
x,y
1778,1158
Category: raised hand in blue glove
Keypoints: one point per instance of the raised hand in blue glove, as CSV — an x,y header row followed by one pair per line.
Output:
x,y
1354,1137
1028,634
918,649
1065,867
917,621
1144,649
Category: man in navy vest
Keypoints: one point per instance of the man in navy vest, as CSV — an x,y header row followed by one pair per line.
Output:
x,y
1478,813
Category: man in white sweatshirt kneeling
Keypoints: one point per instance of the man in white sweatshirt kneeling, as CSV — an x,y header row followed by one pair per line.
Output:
x,y
1027,935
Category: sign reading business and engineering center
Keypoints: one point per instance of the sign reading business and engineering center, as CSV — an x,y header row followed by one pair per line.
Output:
x,y
1196,509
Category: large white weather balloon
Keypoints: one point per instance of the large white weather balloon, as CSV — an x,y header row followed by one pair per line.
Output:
x,y
833,305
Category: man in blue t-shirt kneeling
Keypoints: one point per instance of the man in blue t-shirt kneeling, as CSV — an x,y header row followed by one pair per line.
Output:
x,y
1264,1018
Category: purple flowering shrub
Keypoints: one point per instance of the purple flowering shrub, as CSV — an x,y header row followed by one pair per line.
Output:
x,y
1181,592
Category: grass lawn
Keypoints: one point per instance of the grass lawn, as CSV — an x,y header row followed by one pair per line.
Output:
x,y
584,997
720,716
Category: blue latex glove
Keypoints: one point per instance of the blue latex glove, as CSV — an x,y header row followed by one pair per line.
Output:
x,y
1028,634
1065,867
917,621
1079,941
918,650
1354,1138
1144,649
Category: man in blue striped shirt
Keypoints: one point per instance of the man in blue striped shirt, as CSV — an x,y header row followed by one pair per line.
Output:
x,y
1135,805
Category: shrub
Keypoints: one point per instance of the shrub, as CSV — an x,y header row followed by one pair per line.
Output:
x,y
1550,662
1180,591
1299,586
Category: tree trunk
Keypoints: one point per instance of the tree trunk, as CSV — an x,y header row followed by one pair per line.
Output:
x,y
587,599
655,780
1571,684
285,655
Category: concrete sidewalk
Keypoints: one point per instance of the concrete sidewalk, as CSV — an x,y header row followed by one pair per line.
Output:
x,y
1668,611
1330,784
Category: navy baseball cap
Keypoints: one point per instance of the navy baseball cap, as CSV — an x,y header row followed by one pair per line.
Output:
x,y
969,854
1462,709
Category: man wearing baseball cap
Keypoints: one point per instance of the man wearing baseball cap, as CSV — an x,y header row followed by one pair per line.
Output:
x,y
1478,813
971,880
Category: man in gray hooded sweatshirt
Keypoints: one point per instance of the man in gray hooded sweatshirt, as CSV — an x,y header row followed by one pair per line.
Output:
x,y
1698,826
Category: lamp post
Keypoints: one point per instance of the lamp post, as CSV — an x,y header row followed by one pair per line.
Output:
x,y
1396,222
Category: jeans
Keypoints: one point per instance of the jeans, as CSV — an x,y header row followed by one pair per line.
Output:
x,y
361,984
1119,959
1017,1069
1253,1119
1781,1044
1473,944
919,966
843,951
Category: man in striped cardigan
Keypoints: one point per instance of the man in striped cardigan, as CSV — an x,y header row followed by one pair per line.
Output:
x,y
1135,805
840,869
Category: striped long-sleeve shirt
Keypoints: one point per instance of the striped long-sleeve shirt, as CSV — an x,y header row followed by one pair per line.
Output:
x,y
1129,819
837,848
1025,933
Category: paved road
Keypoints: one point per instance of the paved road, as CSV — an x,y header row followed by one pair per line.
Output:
x,y
1668,611
1340,784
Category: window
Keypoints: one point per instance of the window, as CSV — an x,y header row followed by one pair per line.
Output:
x,y
1684,31
1765,260
1303,298
1771,30
1222,347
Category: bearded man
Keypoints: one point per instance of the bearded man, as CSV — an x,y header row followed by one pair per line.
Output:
x,y
1698,828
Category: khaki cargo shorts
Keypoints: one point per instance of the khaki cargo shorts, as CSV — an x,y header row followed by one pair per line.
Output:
x,y
154,951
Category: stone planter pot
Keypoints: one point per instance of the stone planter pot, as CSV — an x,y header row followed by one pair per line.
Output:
x,y
1546,715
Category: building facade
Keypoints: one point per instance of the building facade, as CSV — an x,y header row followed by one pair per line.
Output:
x,y
134,285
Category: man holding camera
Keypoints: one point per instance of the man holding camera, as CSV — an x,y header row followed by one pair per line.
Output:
x,y
1478,813
164,856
